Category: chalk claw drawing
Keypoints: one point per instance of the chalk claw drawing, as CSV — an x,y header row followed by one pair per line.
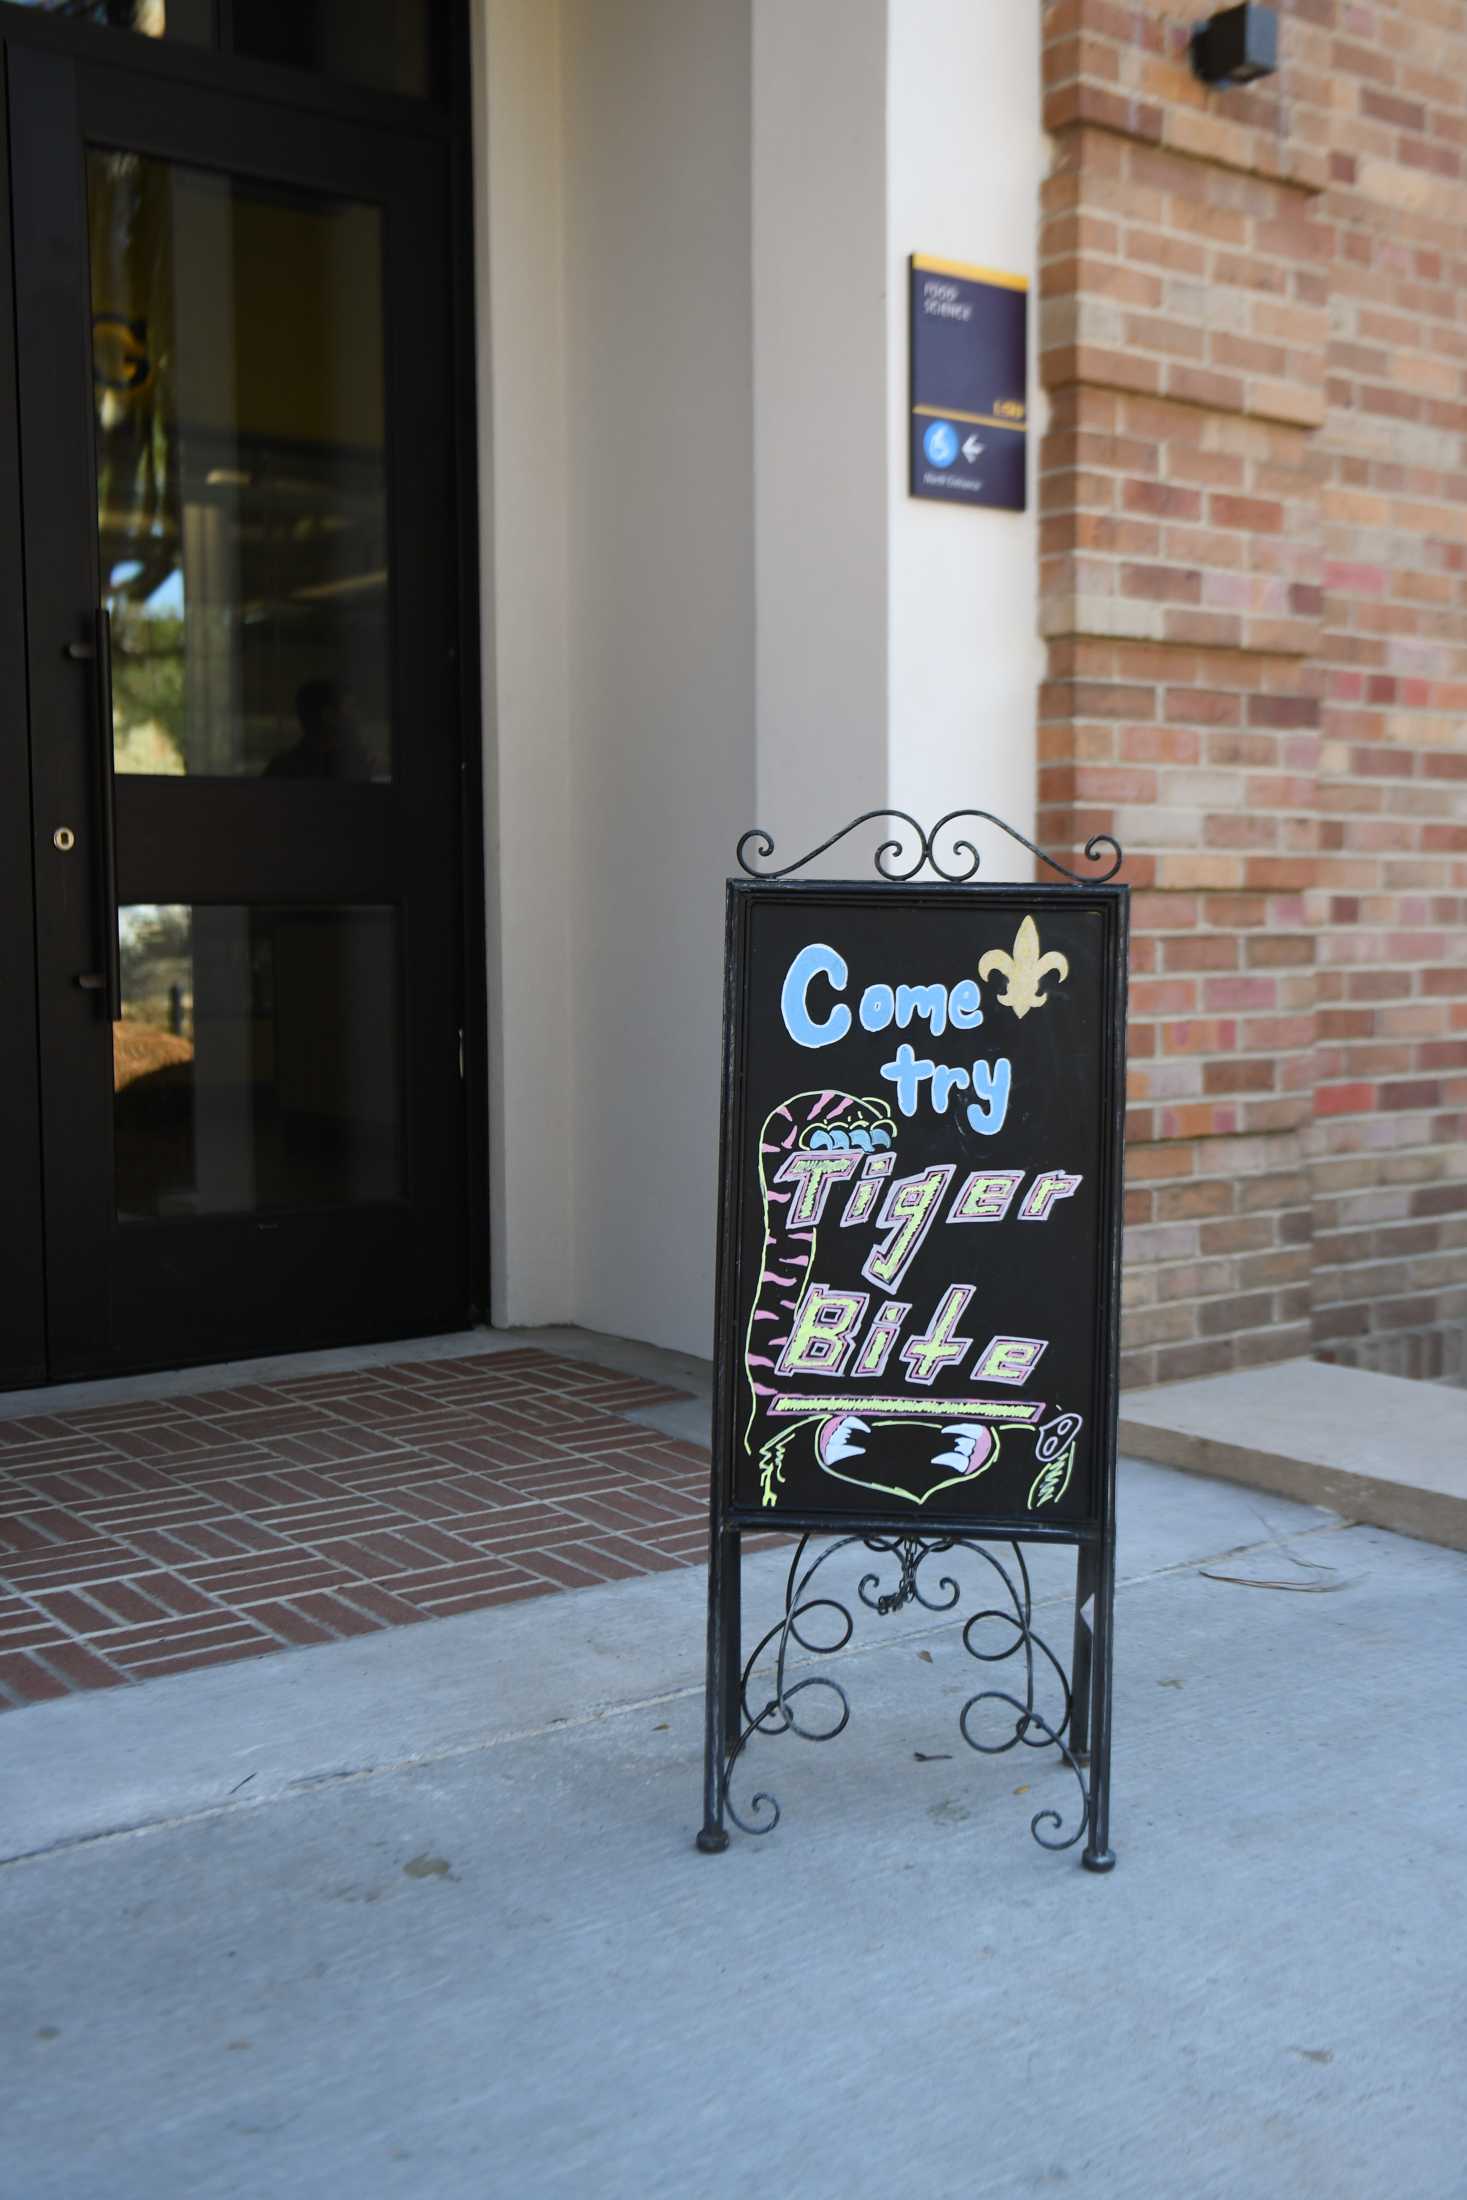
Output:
x,y
890,1446
1024,969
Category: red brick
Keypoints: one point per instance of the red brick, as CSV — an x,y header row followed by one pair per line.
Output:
x,y
291,1625
81,1667
1359,293
380,1604
335,1612
26,1680
1344,1099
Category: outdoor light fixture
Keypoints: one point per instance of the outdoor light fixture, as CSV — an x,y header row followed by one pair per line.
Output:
x,y
1236,46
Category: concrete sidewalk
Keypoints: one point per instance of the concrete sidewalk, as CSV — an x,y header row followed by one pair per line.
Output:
x,y
420,1915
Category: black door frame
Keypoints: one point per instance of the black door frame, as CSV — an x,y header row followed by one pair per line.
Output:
x,y
23,1344
23,1271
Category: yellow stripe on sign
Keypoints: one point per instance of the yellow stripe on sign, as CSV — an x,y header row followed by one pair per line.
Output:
x,y
979,420
928,266
906,1407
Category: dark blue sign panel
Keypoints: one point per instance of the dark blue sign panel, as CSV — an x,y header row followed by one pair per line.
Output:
x,y
970,376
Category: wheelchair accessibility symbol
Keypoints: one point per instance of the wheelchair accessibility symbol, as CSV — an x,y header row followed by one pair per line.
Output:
x,y
940,443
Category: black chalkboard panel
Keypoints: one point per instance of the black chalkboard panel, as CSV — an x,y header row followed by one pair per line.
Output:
x,y
919,1228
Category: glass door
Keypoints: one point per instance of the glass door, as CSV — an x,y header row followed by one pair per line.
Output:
x,y
234,397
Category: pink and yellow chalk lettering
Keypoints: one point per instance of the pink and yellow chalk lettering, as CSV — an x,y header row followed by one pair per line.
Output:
x,y
880,1337
862,1203
1009,1359
939,1345
822,1332
813,1174
986,1196
1051,1185
910,1209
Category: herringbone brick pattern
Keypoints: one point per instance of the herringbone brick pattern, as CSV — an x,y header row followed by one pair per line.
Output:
x,y
163,1535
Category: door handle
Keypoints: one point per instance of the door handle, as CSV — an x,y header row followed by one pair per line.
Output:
x,y
99,653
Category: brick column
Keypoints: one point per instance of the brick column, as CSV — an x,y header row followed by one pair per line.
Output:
x,y
1183,336
1384,89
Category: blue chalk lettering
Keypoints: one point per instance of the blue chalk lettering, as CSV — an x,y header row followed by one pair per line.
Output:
x,y
816,961
929,1001
987,1112
876,1007
906,1073
963,1005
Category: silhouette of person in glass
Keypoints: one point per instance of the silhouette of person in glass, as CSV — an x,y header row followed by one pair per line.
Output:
x,y
329,746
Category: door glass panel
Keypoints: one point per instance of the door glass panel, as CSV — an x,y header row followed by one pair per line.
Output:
x,y
255,1065
237,363
192,20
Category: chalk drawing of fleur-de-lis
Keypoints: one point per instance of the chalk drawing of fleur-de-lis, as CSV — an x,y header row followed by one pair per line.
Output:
x,y
1024,969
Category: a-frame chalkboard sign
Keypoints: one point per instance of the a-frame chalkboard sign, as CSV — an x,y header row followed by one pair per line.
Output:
x,y
918,1283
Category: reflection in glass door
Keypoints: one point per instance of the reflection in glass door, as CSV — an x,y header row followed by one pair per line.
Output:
x,y
242,533
260,927
237,347
255,1061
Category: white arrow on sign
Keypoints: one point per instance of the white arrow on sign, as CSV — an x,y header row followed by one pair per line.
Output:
x,y
971,449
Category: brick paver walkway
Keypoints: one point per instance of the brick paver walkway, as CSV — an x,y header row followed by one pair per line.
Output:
x,y
166,1534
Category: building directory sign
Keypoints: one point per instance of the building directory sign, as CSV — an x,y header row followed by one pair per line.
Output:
x,y
920,1205
969,383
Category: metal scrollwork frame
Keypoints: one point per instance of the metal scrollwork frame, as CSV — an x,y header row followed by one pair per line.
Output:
x,y
959,867
798,1629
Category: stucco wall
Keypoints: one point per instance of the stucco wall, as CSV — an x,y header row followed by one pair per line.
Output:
x,y
660,596
965,160
819,375
708,600
526,731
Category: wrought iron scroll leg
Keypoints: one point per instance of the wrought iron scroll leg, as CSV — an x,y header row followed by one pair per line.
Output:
x,y
1099,1856
1080,1660
723,1654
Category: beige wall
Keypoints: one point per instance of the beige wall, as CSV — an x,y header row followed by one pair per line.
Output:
x,y
819,369
615,342
660,597
527,764
965,159
708,601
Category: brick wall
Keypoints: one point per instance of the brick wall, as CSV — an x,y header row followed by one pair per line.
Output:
x,y
1253,332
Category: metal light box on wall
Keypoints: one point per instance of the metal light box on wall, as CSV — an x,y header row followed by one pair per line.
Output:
x,y
968,423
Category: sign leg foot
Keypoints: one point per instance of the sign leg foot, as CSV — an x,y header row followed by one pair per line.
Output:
x,y
712,1840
